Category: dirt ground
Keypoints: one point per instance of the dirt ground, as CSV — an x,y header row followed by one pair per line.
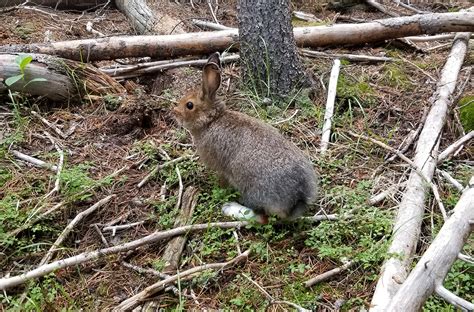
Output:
x,y
385,101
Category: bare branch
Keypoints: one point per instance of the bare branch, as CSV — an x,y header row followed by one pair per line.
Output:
x,y
455,146
329,274
332,89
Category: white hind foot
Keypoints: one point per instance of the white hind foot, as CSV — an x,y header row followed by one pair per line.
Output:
x,y
237,211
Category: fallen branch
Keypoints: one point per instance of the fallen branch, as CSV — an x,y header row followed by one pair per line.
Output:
x,y
349,57
9,282
329,274
132,302
34,161
429,273
410,213
115,228
455,146
374,200
71,226
431,38
175,246
210,25
450,179
381,8
172,46
331,98
60,165
50,125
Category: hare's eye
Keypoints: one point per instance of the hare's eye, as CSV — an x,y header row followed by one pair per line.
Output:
x,y
189,105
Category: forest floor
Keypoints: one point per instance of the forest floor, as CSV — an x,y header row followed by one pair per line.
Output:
x,y
385,101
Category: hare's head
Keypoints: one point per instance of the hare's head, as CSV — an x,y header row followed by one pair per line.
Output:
x,y
199,107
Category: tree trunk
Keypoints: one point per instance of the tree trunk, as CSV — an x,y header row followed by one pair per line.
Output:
x,y
58,4
66,80
410,212
202,43
432,268
139,14
268,49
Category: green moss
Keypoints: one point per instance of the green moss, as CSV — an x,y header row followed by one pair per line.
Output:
x,y
394,75
350,89
466,109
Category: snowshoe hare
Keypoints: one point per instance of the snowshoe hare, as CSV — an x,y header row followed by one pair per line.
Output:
x,y
272,175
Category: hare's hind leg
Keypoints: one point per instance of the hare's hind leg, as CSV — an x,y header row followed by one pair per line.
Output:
x,y
236,210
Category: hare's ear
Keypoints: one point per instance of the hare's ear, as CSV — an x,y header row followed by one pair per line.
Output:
x,y
211,76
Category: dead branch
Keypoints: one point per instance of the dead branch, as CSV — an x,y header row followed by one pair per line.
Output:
x,y
139,14
408,222
175,246
55,4
374,200
43,270
115,228
34,161
60,165
50,125
329,274
306,16
455,146
429,273
431,38
331,98
171,46
71,226
451,180
349,57
210,25
132,302
381,8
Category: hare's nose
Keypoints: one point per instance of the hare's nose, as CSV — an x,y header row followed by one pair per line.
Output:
x,y
176,110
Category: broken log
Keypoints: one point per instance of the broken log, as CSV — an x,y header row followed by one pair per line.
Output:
x,y
431,270
406,230
171,46
65,79
175,247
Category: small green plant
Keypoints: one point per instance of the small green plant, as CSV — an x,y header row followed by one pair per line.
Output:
x,y
22,60
394,75
466,112
112,102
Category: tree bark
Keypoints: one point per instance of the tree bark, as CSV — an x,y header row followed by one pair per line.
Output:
x,y
172,46
66,80
410,212
58,4
271,64
432,268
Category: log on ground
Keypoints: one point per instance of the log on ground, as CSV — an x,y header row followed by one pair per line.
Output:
x,y
171,46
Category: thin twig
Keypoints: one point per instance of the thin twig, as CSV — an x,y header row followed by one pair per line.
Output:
x,y
132,302
453,299
50,125
381,8
286,119
34,161
180,189
71,226
214,17
92,255
455,146
451,180
349,57
116,228
332,89
329,274
60,165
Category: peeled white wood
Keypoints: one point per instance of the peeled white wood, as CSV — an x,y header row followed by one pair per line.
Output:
x,y
430,272
406,230
332,89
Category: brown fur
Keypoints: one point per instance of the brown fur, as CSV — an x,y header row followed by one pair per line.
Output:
x,y
271,173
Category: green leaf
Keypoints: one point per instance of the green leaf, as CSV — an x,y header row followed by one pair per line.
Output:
x,y
11,80
25,61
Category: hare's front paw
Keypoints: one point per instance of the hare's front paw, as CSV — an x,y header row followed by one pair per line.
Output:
x,y
236,210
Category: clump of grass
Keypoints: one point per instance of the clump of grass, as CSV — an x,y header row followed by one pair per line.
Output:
x,y
394,75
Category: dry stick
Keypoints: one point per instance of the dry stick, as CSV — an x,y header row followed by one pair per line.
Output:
x,y
169,65
47,123
329,274
181,187
71,226
455,146
349,57
374,200
210,25
381,8
115,228
271,299
92,255
429,273
159,167
132,302
34,161
409,7
175,246
306,16
431,38
116,70
60,165
407,226
214,17
450,179
418,170
332,89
